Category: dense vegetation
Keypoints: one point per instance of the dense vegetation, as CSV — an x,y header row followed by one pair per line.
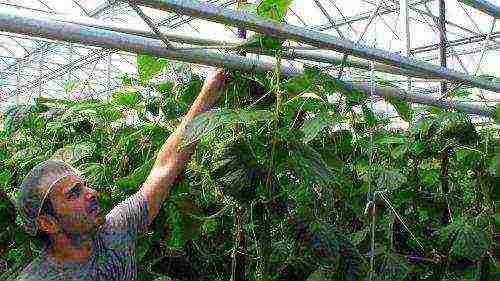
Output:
x,y
287,183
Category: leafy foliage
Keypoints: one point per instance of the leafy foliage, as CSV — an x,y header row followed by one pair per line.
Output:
x,y
278,166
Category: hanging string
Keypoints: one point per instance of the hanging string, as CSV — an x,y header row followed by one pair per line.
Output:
x,y
371,203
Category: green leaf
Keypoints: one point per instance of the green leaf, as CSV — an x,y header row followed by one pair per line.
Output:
x,y
133,181
402,107
418,147
207,122
310,167
263,42
315,125
165,88
298,84
26,154
148,66
495,165
75,152
460,93
456,126
393,268
470,242
370,118
389,180
273,9
126,79
470,158
69,86
128,99
423,128
359,236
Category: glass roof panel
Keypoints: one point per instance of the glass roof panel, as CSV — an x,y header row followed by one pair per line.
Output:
x,y
51,63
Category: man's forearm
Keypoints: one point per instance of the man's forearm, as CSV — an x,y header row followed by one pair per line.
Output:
x,y
170,161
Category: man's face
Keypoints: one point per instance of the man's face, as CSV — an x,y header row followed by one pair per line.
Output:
x,y
76,206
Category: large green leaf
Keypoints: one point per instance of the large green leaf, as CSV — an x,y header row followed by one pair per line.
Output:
x,y
456,126
315,125
389,180
370,117
310,167
402,107
128,99
134,180
75,152
148,66
207,122
273,9
469,241
393,268
494,166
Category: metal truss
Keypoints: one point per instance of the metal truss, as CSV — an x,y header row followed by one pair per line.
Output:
x,y
402,63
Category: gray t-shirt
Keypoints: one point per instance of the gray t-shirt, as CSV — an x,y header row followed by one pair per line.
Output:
x,y
113,257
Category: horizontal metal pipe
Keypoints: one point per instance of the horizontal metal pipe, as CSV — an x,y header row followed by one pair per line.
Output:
x,y
366,15
75,33
313,55
458,42
483,6
325,41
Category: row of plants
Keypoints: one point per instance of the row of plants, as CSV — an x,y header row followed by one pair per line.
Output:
x,y
286,183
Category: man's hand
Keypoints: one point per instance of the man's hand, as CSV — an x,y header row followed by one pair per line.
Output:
x,y
169,161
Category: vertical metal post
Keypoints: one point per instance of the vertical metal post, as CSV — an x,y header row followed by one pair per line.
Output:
x,y
404,24
442,41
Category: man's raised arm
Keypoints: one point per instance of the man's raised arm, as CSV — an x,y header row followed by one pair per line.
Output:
x,y
169,161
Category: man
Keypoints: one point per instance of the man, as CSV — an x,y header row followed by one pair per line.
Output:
x,y
82,244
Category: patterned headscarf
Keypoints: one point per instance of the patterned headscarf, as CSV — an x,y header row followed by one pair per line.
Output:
x,y
35,188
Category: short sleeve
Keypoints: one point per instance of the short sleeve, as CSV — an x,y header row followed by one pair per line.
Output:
x,y
131,215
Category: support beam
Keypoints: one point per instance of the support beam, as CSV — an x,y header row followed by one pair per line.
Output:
x,y
98,10
457,42
483,6
311,55
286,31
366,15
118,41
442,42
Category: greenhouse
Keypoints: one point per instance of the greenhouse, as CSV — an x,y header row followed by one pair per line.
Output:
x,y
249,140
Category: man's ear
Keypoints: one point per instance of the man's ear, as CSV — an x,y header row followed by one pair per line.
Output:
x,y
47,224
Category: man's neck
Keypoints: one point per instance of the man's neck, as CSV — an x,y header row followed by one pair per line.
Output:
x,y
71,248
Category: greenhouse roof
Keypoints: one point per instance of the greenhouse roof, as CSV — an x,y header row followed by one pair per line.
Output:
x,y
34,66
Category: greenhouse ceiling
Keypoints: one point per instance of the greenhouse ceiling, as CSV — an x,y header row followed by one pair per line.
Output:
x,y
32,66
